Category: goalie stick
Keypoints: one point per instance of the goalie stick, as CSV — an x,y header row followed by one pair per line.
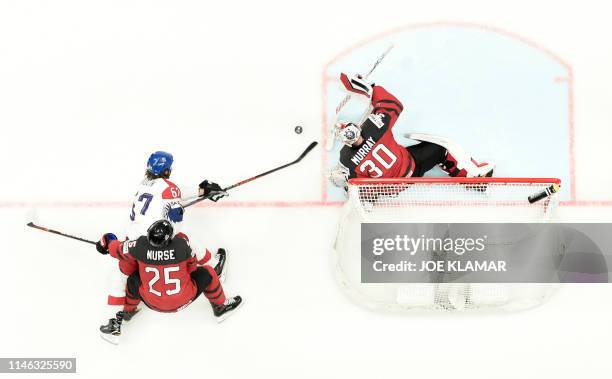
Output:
x,y
329,145
304,153
33,225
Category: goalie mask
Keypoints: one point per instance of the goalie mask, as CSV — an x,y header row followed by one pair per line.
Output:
x,y
348,133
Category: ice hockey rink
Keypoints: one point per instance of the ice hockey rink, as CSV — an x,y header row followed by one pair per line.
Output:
x,y
89,89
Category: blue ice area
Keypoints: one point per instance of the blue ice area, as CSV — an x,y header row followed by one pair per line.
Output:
x,y
500,98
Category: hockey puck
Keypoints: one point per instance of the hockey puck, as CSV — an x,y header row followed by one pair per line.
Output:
x,y
298,129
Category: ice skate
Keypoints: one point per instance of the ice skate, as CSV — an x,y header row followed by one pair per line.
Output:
x,y
223,311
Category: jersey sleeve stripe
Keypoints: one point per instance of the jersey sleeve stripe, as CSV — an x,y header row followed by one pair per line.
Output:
x,y
214,289
388,101
387,110
218,295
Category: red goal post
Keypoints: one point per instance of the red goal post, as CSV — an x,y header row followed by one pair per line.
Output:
x,y
447,180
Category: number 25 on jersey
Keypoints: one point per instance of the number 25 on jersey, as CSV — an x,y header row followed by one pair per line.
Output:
x,y
167,280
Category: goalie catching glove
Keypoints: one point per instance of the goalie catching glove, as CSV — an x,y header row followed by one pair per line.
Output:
x,y
211,190
356,84
338,176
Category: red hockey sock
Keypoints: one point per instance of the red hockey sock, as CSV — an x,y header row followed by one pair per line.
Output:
x,y
131,302
214,291
129,308
131,305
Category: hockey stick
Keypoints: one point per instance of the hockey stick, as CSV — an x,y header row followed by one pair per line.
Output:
x,y
32,225
308,149
330,137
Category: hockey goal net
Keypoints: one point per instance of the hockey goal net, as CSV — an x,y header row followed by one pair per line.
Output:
x,y
440,200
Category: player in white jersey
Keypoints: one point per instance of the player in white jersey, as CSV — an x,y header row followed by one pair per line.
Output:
x,y
158,198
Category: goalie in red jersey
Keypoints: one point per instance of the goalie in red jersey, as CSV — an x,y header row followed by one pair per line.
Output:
x,y
371,150
164,273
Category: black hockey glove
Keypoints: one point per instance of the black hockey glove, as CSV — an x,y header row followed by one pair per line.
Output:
x,y
211,190
102,245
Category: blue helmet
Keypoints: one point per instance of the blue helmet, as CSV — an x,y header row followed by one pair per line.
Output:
x,y
159,161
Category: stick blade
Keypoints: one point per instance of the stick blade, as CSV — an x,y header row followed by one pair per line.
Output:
x,y
308,150
31,217
310,147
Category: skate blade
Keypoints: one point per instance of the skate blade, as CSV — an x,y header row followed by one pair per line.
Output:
x,y
110,338
226,315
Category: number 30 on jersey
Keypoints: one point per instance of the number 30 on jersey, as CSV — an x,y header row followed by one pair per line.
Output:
x,y
385,160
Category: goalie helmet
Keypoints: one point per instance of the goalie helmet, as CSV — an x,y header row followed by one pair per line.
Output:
x,y
347,132
160,233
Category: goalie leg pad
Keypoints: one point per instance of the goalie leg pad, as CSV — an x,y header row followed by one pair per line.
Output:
x,y
458,162
426,156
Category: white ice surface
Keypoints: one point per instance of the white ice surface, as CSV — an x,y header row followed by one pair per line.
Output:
x,y
296,322
88,89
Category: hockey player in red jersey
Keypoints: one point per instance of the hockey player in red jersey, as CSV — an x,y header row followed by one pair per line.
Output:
x,y
164,273
371,150
158,198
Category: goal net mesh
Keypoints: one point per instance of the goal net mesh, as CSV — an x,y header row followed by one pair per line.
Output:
x,y
439,200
